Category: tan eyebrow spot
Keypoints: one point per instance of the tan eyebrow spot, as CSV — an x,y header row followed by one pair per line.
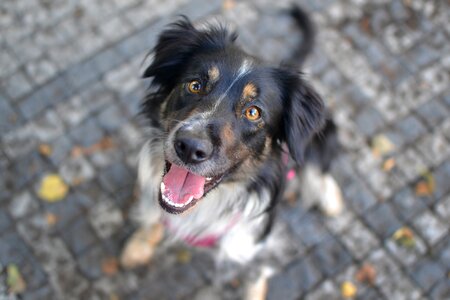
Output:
x,y
213,73
249,92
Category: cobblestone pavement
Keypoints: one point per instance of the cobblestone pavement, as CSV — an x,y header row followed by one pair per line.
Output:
x,y
69,94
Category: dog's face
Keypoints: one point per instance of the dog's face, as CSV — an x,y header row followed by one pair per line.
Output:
x,y
223,112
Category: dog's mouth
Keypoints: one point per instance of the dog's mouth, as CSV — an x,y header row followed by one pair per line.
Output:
x,y
181,189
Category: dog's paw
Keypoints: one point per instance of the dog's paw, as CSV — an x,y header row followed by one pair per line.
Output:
x,y
140,247
331,200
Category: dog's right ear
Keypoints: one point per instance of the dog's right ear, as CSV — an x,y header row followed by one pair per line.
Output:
x,y
177,44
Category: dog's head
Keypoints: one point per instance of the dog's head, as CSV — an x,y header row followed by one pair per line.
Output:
x,y
223,112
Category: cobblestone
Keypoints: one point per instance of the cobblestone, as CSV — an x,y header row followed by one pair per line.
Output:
x,y
69,79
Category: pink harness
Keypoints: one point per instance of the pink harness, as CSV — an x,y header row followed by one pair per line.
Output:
x,y
208,241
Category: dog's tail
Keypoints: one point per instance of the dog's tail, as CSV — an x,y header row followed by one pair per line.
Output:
x,y
307,44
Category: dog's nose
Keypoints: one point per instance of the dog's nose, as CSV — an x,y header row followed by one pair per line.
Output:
x,y
193,150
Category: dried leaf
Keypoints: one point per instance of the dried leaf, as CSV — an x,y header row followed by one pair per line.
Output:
x,y
389,164
228,4
45,150
51,219
53,188
110,266
184,256
235,283
366,274
16,283
404,237
426,185
113,296
102,145
348,289
381,145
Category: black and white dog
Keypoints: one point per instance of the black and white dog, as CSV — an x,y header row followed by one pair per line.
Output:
x,y
222,125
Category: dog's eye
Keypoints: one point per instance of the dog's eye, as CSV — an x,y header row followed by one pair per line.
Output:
x,y
194,87
252,113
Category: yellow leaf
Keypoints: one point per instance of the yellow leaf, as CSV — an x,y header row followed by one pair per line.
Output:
x,y
52,188
348,289
404,237
381,145
184,256
16,283
45,149
426,185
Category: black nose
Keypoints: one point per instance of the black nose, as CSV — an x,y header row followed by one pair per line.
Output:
x,y
193,150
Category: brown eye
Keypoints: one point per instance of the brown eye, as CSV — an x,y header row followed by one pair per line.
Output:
x,y
194,87
252,113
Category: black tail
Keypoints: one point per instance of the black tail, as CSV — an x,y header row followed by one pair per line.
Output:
x,y
307,44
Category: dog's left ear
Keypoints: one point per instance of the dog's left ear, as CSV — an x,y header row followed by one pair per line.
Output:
x,y
303,113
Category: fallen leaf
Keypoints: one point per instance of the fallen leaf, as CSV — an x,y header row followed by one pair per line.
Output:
x,y
52,188
113,296
228,4
426,185
51,219
348,289
184,256
235,283
15,282
365,25
404,237
389,164
366,274
381,145
45,150
104,144
110,266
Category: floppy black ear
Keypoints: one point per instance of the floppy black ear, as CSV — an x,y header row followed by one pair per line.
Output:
x,y
303,115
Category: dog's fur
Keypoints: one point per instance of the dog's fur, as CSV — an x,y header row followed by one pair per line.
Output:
x,y
209,131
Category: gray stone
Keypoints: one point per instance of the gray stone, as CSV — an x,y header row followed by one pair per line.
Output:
x,y
433,113
23,204
41,70
359,240
78,236
406,204
297,279
112,118
369,121
309,229
442,252
76,170
441,177
430,227
61,148
90,263
14,251
5,221
105,218
406,255
426,273
326,290
382,220
116,177
443,208
9,118
17,86
331,257
65,211
441,290
358,197
411,128
79,136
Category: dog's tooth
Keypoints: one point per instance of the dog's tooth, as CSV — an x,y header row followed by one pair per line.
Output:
x,y
163,187
208,178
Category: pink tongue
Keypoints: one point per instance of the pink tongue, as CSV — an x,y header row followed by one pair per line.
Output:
x,y
181,185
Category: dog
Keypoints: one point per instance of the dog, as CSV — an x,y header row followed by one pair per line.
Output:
x,y
223,129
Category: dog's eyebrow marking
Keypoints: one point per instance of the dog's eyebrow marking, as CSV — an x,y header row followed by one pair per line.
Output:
x,y
243,70
249,92
213,73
